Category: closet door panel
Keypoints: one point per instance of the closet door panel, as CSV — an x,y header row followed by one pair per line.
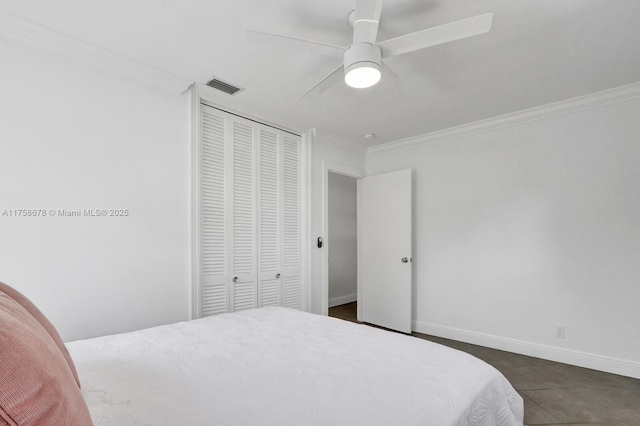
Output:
x,y
269,217
270,292
243,228
213,249
291,223
291,290
250,228
244,295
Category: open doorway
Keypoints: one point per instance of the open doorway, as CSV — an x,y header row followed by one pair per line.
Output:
x,y
343,245
330,168
383,255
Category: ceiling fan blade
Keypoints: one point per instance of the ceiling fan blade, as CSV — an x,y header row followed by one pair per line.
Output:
x,y
329,80
394,78
367,18
437,35
293,42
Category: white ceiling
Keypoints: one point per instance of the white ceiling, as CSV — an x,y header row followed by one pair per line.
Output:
x,y
538,52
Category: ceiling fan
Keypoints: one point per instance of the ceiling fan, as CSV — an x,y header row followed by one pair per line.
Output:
x,y
364,58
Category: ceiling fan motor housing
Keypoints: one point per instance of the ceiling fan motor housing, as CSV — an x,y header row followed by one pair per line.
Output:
x,y
362,55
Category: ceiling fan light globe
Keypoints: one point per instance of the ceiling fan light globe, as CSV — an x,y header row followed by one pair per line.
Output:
x,y
362,75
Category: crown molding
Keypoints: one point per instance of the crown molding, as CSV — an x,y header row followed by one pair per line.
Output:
x,y
593,100
21,30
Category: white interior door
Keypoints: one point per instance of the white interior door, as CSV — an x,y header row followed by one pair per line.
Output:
x,y
243,217
269,218
213,213
292,260
386,243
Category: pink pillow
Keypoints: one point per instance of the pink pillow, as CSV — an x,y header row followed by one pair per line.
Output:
x,y
36,386
44,322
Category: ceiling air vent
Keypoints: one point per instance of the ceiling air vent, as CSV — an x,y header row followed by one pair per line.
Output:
x,y
222,86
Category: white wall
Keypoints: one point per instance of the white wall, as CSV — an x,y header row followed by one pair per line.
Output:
x,y
523,228
74,137
325,149
343,240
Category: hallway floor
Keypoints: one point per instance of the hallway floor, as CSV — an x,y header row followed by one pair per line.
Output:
x,y
553,393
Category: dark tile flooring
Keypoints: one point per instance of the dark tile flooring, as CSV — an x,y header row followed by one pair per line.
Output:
x,y
553,393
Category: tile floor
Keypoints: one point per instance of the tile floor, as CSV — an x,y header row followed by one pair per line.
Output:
x,y
553,393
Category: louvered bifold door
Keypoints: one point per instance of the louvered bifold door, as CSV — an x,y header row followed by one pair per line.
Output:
x,y
213,250
243,216
291,276
269,218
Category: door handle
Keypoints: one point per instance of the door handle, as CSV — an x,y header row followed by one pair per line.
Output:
x,y
235,279
406,260
277,276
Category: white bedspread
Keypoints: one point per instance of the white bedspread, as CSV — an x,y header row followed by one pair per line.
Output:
x,y
276,366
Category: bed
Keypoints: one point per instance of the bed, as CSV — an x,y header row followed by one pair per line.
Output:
x,y
278,366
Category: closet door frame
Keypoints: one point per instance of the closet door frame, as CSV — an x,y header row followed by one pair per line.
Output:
x,y
200,94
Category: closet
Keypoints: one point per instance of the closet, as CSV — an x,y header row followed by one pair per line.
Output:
x,y
249,207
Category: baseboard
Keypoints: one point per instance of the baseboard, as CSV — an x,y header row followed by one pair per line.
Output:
x,y
337,301
580,359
